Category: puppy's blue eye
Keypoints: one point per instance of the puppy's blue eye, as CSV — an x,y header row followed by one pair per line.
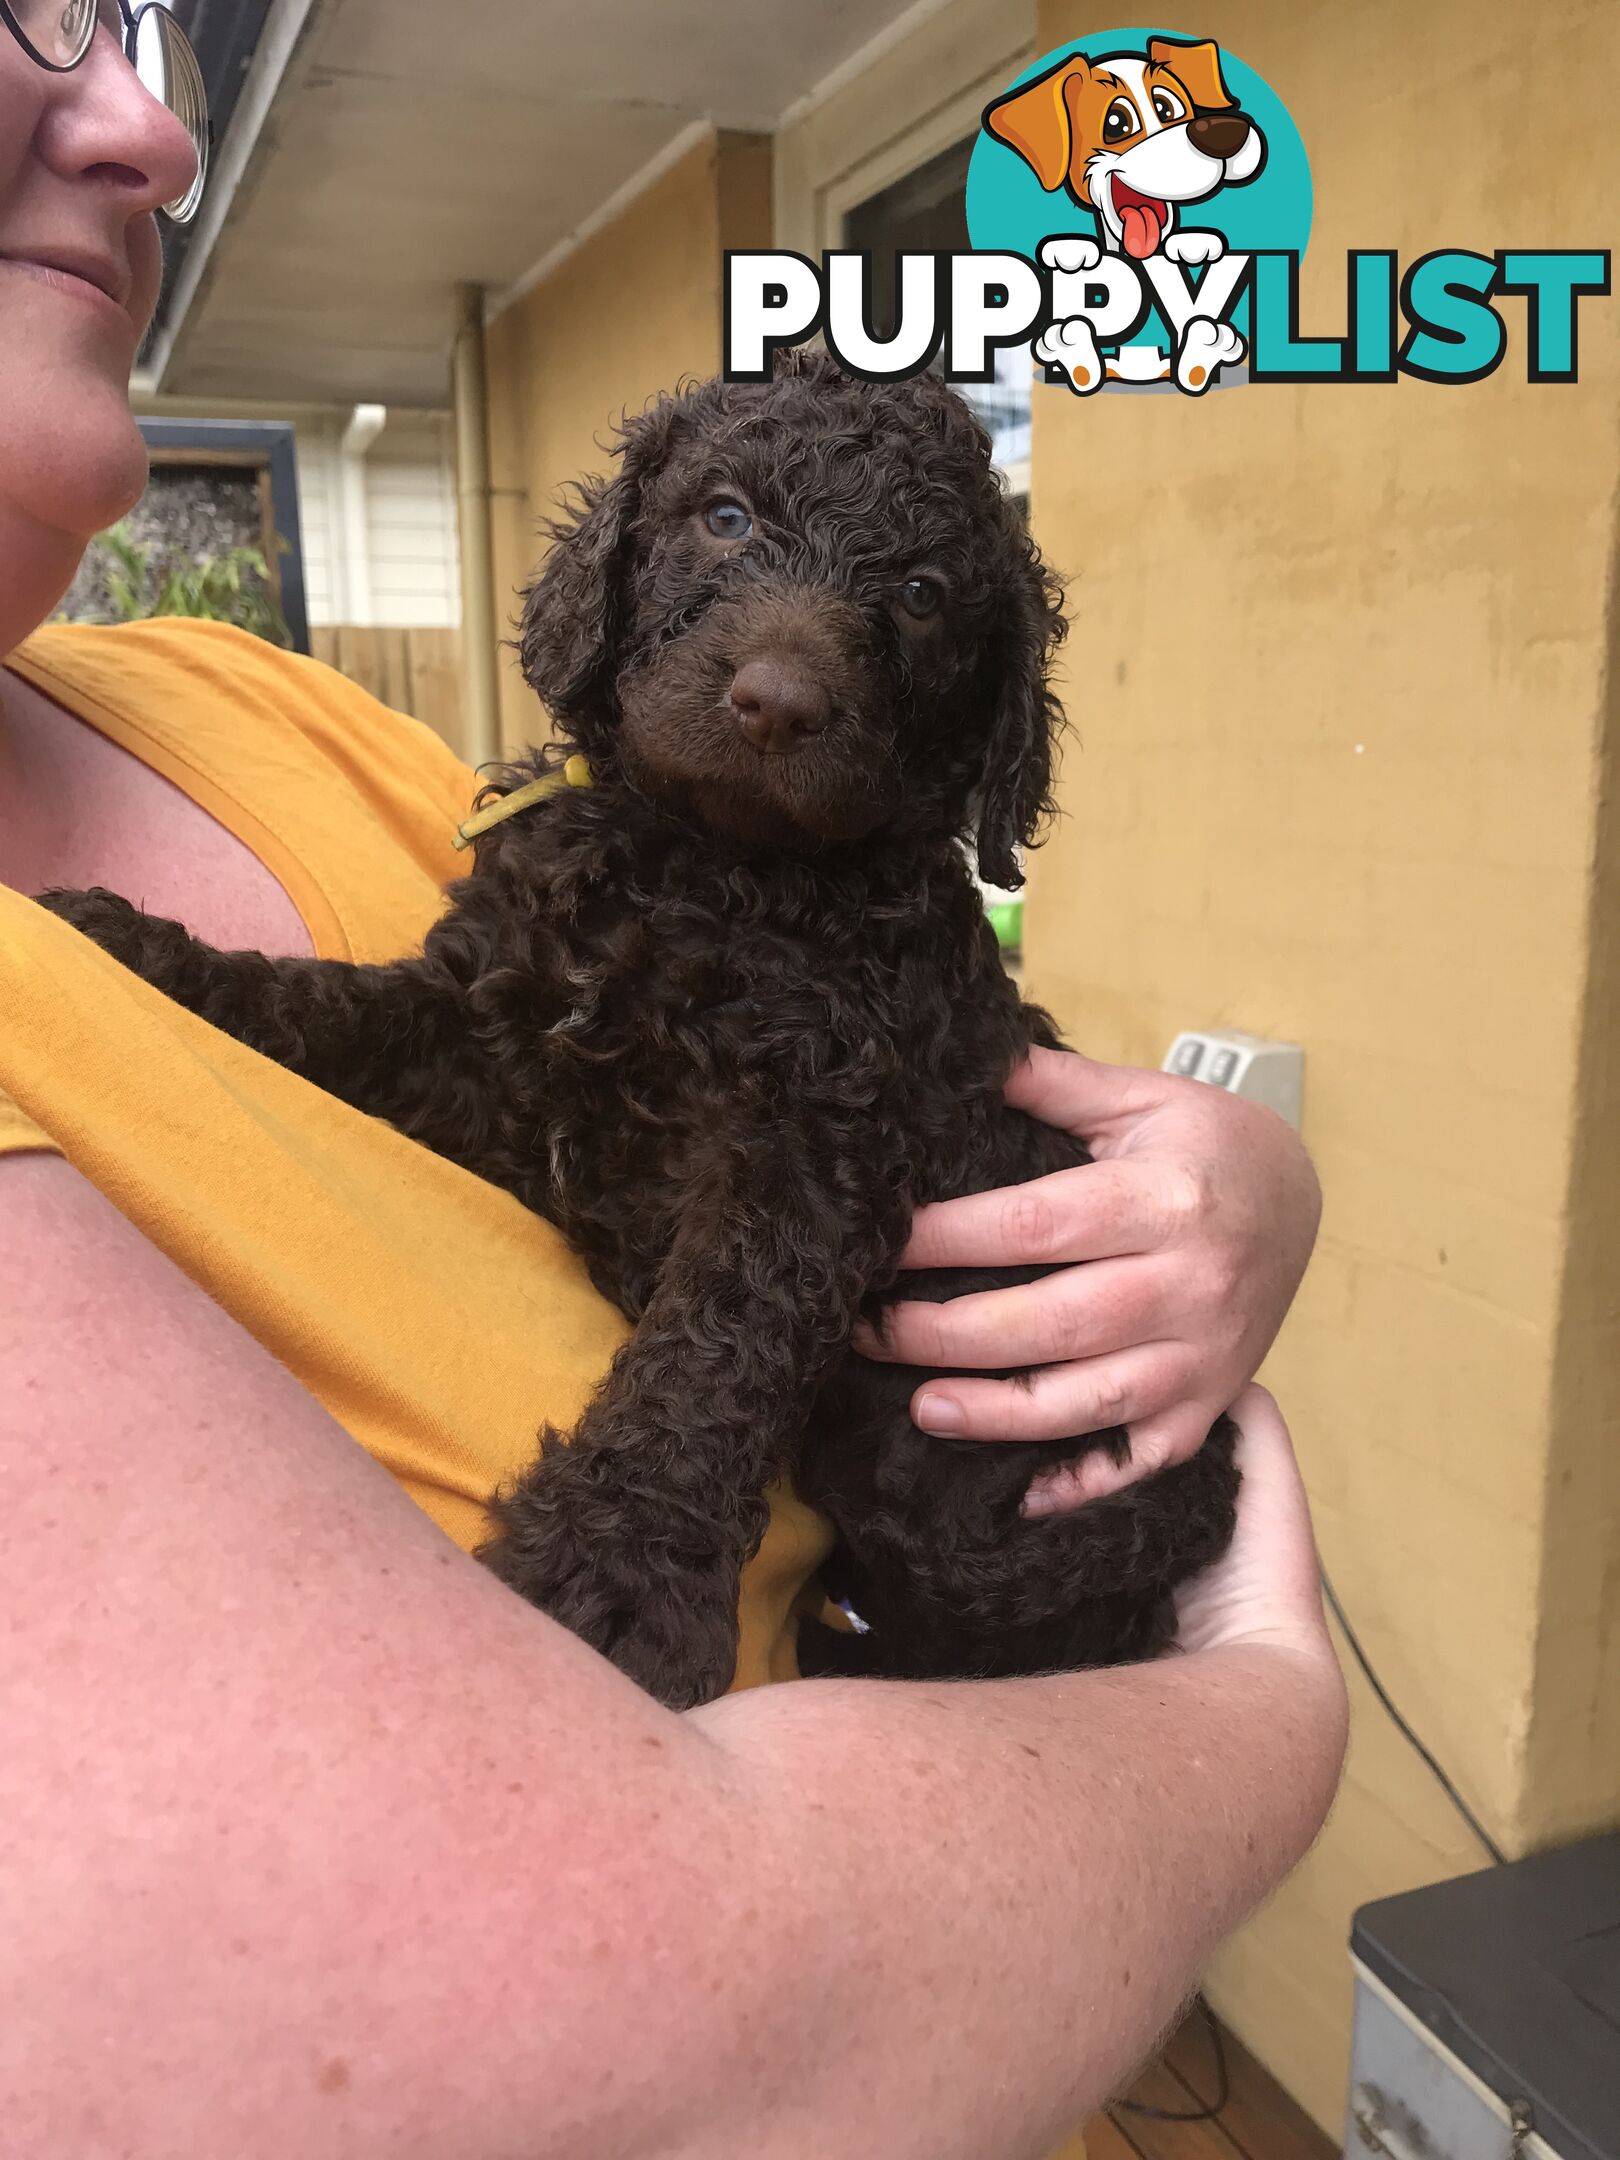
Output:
x,y
728,521
920,596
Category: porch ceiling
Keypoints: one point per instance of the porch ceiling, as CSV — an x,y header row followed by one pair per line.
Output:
x,y
418,143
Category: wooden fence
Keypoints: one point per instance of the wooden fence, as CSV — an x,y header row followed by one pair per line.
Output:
x,y
415,671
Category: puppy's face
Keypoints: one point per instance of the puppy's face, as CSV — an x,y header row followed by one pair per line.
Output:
x,y
792,626
804,614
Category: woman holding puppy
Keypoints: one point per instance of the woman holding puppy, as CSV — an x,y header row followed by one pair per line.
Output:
x,y
317,1840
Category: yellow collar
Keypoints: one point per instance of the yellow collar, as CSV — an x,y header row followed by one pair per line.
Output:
x,y
575,773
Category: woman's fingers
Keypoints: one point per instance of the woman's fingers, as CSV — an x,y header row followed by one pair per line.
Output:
x,y
1078,1312
1075,1093
1059,1401
1173,1257
1156,1442
1096,1211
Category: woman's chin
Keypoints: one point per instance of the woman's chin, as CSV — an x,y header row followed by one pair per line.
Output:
x,y
81,475
105,471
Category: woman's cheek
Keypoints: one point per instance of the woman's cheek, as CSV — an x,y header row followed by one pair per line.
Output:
x,y
21,102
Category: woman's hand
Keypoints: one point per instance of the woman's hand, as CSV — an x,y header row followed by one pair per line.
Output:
x,y
1190,1231
1266,1588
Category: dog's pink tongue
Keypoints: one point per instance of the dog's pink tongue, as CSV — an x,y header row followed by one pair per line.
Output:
x,y
1143,225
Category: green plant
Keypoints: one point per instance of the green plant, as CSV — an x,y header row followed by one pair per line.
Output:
x,y
143,579
125,564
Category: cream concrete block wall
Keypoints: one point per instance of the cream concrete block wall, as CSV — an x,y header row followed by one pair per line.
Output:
x,y
632,310
1338,669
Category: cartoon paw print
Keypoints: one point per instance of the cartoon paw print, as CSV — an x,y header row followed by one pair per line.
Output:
x,y
1205,347
1194,247
1071,344
1070,252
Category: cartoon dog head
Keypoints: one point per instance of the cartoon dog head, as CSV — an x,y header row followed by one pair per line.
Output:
x,y
1131,135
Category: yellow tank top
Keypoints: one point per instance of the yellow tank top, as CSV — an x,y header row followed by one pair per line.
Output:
x,y
436,1319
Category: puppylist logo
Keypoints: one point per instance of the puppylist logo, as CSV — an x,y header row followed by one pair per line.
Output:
x,y
1138,205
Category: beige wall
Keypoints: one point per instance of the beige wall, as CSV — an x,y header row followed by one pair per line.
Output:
x,y
636,307
1340,661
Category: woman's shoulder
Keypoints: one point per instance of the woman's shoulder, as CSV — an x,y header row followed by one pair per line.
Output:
x,y
352,806
210,679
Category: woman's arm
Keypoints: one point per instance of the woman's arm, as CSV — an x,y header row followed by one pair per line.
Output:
x,y
317,1840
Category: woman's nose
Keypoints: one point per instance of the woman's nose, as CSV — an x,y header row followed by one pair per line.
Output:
x,y
110,127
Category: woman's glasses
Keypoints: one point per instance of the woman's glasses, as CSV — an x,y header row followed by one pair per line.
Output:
x,y
59,33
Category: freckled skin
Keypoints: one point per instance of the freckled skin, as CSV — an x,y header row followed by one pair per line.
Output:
x,y
727,1018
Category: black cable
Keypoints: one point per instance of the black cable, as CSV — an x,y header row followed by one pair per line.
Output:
x,y
1498,1857
1208,2111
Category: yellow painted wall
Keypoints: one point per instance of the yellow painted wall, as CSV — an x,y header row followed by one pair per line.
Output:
x,y
1338,675
634,308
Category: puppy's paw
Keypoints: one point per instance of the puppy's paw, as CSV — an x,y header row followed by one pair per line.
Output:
x,y
116,925
1194,247
106,917
1205,348
679,1640
1071,344
605,1562
1070,251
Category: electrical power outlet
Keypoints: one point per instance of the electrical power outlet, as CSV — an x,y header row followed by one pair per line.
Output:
x,y
1272,1073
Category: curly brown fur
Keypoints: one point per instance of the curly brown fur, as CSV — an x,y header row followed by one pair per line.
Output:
x,y
729,1015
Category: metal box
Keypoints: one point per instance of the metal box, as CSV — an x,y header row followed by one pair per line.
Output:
x,y
1488,2015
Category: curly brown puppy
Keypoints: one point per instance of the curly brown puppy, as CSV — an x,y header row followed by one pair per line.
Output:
x,y
729,1013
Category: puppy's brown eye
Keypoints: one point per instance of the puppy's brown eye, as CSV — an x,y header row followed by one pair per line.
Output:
x,y
728,521
1168,107
921,597
1119,121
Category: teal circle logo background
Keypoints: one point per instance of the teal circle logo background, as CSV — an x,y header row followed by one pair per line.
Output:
x,y
1008,208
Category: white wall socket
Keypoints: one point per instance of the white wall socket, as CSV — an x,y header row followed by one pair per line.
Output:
x,y
1272,1073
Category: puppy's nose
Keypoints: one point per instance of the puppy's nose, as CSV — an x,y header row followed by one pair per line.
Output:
x,y
778,705
1220,134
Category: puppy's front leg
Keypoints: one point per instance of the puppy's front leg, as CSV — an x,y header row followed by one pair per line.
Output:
x,y
390,1040
636,1534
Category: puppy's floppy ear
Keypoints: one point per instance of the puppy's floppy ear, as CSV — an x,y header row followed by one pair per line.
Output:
x,y
573,613
1014,796
1198,69
1035,121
